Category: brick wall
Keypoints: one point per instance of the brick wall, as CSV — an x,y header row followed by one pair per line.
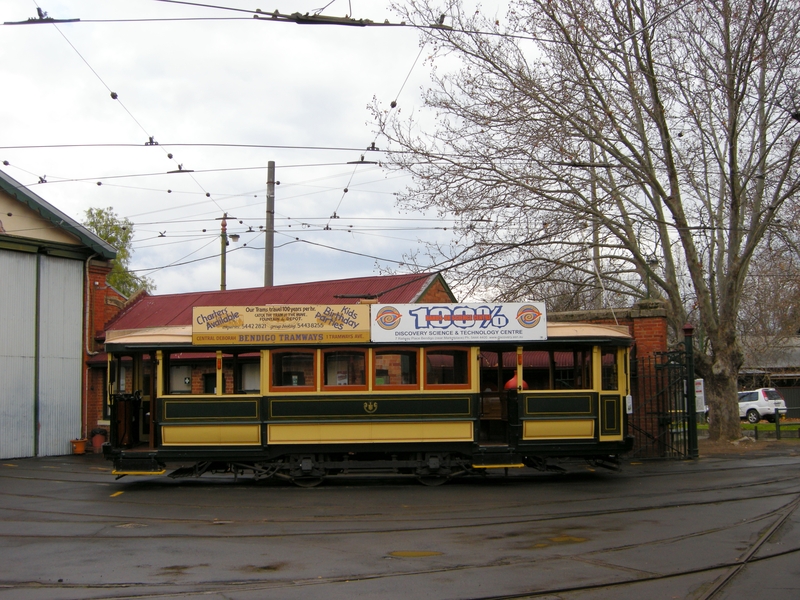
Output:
x,y
646,321
437,292
103,303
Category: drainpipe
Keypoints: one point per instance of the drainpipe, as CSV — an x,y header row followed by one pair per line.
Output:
x,y
89,351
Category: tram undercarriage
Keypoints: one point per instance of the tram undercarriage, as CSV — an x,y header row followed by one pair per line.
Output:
x,y
308,469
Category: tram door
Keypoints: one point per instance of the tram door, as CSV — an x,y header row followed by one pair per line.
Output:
x,y
147,394
498,366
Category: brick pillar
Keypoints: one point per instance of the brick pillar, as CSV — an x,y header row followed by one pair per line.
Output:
x,y
649,327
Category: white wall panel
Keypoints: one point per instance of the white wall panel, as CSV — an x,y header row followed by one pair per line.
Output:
x,y
61,324
17,353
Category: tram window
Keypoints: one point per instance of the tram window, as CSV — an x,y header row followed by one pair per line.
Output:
x,y
573,370
345,368
608,359
536,369
395,367
293,369
446,367
249,377
210,383
180,379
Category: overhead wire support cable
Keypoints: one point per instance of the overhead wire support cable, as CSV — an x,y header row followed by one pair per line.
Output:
x,y
300,18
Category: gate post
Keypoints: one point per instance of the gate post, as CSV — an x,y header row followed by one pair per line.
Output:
x,y
691,408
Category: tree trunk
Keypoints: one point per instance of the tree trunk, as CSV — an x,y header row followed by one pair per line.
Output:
x,y
722,396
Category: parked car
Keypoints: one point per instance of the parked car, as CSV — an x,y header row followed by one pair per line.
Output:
x,y
763,403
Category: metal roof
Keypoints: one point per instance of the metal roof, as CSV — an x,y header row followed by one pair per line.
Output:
x,y
35,202
172,310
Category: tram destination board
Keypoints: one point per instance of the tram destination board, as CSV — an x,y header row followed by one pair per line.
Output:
x,y
280,324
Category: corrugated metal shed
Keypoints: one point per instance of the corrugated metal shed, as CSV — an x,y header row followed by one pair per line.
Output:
x,y
17,354
176,309
60,353
43,254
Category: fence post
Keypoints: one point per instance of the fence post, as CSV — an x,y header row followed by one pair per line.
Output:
x,y
691,408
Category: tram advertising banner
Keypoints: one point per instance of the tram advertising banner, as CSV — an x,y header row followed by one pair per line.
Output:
x,y
280,324
443,323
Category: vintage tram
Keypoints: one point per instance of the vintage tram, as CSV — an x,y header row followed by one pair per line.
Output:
x,y
305,392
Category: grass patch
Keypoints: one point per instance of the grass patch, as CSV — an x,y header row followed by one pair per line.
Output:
x,y
786,428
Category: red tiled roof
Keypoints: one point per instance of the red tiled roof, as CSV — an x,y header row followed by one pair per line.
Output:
x,y
176,309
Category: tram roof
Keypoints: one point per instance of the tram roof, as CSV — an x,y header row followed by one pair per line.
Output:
x,y
181,335
175,310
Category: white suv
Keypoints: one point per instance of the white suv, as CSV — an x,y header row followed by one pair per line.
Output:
x,y
763,403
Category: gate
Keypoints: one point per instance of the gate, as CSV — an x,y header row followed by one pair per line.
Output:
x,y
663,422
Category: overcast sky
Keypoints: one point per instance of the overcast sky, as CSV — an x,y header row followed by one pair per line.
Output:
x,y
196,86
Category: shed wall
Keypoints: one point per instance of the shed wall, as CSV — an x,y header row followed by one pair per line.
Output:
x,y
17,353
60,354
40,387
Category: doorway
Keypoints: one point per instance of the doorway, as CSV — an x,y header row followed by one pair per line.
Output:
x,y
497,367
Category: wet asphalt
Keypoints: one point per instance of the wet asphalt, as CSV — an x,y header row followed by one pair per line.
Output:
x,y
715,527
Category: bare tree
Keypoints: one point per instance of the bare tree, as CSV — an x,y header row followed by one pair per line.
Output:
x,y
769,315
643,144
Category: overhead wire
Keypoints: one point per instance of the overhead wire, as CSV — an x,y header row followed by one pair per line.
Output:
x,y
115,97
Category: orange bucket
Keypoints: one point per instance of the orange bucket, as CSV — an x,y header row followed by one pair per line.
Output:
x,y
78,446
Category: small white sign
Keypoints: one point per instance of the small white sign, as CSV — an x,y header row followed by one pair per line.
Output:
x,y
699,395
451,323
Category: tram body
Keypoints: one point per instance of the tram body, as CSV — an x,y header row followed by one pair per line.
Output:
x,y
305,392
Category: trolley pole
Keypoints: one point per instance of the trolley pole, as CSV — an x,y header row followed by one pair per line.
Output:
x,y
223,238
691,408
269,242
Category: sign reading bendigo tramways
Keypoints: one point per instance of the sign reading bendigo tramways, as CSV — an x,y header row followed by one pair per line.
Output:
x,y
443,323
280,324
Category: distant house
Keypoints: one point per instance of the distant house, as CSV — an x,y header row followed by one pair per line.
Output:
x,y
46,263
773,363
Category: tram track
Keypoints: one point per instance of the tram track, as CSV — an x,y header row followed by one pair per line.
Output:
x,y
511,520
398,524
430,511
166,590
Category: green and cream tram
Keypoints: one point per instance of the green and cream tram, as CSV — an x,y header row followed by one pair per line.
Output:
x,y
304,392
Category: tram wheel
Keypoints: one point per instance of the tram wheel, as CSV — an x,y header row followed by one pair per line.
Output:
x,y
432,480
307,482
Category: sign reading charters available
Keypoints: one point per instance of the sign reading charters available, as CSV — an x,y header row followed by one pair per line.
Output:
x,y
445,323
280,324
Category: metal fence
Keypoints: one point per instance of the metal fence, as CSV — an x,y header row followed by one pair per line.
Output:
x,y
792,397
662,387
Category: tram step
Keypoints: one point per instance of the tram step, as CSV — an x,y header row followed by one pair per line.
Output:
x,y
137,467
496,459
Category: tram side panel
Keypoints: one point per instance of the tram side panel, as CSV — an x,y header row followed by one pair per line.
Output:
x,y
323,415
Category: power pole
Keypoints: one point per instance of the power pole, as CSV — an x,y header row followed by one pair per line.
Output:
x,y
223,238
269,243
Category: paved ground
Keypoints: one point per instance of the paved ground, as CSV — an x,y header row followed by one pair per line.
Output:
x,y
722,526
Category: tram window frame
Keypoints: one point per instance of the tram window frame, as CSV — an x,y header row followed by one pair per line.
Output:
x,y
466,367
348,354
171,362
580,371
413,372
241,377
306,386
609,373
538,377
577,375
